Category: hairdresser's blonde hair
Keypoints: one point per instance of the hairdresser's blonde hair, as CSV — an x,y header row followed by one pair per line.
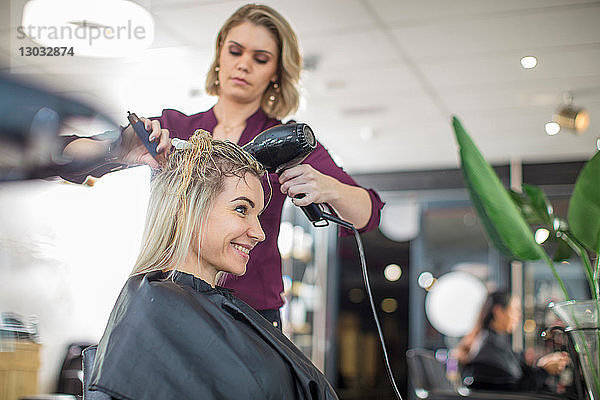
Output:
x,y
289,64
182,194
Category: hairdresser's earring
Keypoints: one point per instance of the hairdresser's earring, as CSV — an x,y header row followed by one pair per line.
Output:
x,y
273,97
217,69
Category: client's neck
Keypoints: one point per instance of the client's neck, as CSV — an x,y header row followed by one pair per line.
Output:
x,y
192,267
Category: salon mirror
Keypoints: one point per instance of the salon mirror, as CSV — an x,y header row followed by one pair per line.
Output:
x,y
33,126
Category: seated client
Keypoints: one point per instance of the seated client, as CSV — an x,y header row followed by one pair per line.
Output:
x,y
487,359
173,332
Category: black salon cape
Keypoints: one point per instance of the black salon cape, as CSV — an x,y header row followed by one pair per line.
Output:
x,y
497,367
182,339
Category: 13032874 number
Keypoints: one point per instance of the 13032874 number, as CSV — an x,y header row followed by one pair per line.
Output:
x,y
46,51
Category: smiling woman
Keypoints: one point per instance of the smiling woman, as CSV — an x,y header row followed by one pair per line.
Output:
x,y
202,221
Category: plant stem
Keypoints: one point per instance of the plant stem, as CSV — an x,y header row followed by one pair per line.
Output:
x,y
596,275
591,274
556,275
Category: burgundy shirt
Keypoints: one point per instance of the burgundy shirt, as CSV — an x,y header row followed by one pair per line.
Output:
x,y
261,286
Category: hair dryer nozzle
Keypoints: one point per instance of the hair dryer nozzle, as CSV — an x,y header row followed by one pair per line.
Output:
x,y
282,146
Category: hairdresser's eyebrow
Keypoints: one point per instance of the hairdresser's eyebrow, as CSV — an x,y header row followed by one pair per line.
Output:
x,y
244,198
243,47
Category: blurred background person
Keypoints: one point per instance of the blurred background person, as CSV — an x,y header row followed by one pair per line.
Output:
x,y
487,359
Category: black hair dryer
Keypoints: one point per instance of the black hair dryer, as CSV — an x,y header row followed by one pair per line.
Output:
x,y
285,146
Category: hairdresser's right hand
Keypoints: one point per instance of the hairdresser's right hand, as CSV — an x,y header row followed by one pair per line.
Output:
x,y
133,150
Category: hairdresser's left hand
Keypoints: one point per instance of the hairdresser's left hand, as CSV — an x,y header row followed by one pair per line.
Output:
x,y
318,187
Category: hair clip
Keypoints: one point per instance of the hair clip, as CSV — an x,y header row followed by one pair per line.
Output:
x,y
180,144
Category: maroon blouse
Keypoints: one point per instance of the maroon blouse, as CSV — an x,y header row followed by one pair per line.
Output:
x,y
261,286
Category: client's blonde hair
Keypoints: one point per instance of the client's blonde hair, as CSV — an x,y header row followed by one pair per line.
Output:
x,y
181,195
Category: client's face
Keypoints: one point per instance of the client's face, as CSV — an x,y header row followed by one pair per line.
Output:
x,y
232,228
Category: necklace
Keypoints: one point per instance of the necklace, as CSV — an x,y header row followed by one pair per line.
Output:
x,y
231,133
229,129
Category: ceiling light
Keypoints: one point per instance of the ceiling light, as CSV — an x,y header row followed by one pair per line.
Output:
x,y
110,28
552,128
389,305
574,118
392,272
356,295
541,235
529,326
426,280
529,62
452,305
570,117
366,133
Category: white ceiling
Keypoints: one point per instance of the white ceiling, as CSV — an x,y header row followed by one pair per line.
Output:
x,y
395,69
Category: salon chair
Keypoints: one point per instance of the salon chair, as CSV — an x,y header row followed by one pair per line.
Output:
x,y
70,378
428,378
89,355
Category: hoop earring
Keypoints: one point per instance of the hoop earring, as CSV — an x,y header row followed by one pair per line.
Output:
x,y
273,97
217,69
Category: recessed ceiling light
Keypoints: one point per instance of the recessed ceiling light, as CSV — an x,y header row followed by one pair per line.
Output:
x,y
541,235
356,295
389,305
111,28
552,128
426,280
392,272
528,62
366,133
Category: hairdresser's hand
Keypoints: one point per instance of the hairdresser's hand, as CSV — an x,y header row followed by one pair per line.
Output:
x,y
554,363
304,179
133,150
352,203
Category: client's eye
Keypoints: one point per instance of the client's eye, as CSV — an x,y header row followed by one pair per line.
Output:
x,y
242,209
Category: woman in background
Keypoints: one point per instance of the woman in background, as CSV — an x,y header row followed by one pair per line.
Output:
x,y
173,332
486,356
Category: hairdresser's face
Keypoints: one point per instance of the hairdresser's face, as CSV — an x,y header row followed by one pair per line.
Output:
x,y
506,319
248,63
232,228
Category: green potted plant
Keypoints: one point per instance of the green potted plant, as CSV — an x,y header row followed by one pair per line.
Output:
x,y
507,216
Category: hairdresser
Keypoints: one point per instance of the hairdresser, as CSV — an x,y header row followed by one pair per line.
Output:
x,y
255,75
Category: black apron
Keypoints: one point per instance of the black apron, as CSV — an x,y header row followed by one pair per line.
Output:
x,y
183,339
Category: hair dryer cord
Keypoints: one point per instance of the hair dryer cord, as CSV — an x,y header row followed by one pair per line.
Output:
x,y
363,264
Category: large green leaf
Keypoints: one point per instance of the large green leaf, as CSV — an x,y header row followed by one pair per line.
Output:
x,y
539,203
584,207
501,218
524,205
563,251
